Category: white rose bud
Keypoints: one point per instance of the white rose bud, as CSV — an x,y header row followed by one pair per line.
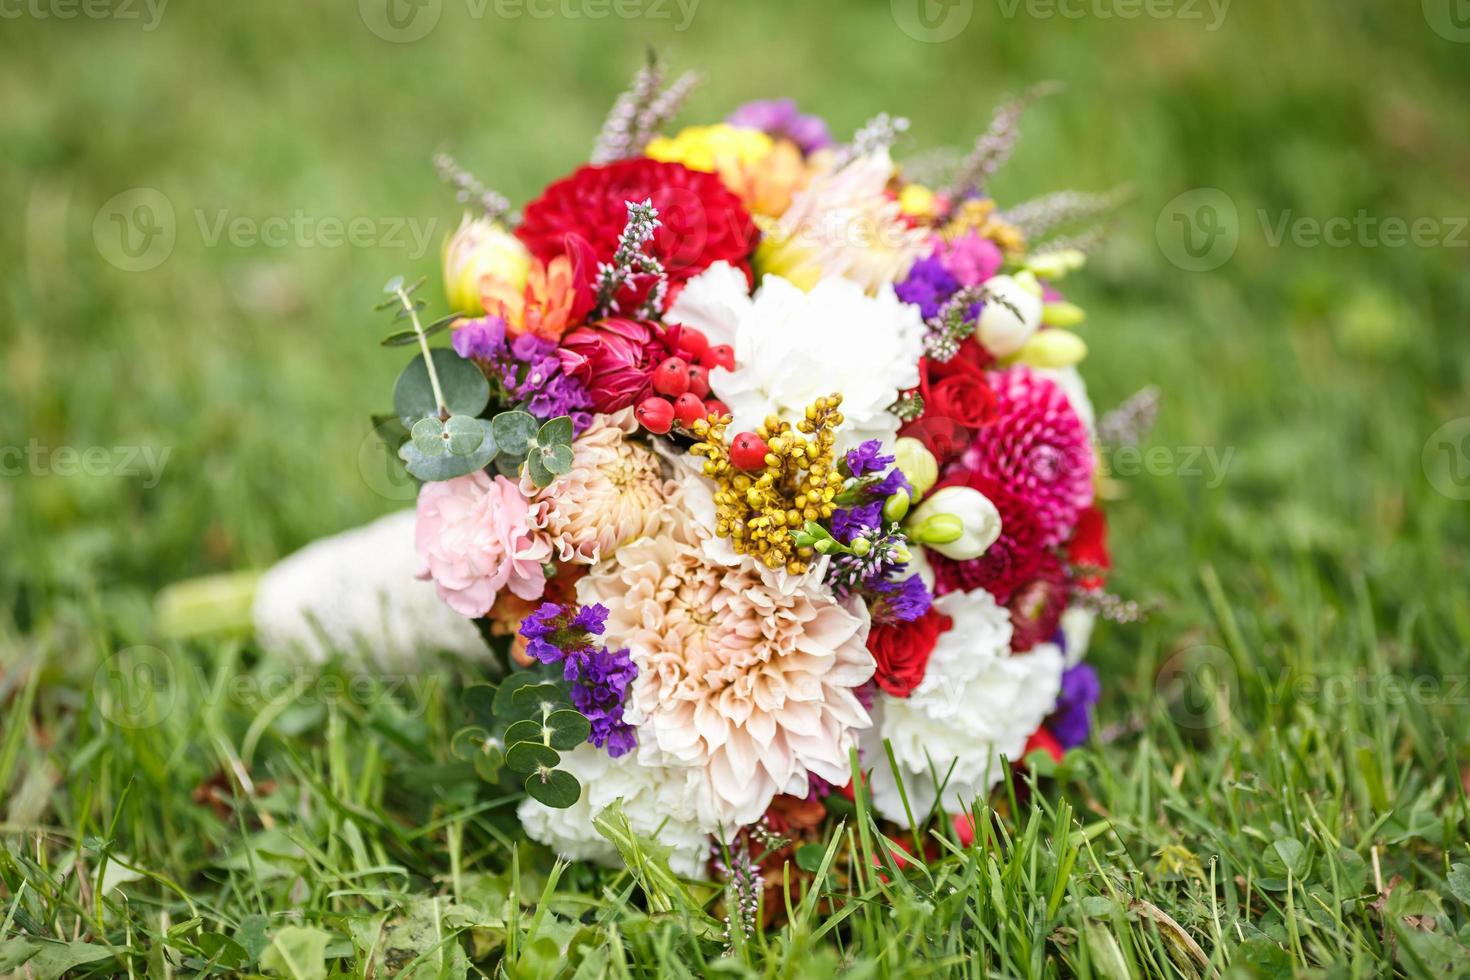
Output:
x,y
958,522
1001,330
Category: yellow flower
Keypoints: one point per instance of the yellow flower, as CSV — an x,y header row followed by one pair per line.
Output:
x,y
762,172
918,201
481,248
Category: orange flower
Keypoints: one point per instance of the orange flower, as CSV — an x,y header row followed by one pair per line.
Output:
x,y
557,295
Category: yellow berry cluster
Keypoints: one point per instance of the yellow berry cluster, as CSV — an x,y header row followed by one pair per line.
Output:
x,y
759,510
979,215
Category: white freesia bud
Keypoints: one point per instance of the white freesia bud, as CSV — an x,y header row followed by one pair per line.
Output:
x,y
1012,316
1055,265
958,522
1053,349
479,248
917,464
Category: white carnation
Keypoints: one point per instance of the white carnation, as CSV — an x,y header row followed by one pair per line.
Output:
x,y
976,703
792,347
659,801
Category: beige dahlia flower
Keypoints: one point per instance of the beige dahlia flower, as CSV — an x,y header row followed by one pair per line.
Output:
x,y
614,493
744,675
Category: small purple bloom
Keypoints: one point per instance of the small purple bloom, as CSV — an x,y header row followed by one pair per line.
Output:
x,y
928,286
891,484
1072,719
779,118
483,339
597,678
850,522
900,601
867,458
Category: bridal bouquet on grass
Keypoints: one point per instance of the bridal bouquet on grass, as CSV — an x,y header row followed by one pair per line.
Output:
x,y
762,463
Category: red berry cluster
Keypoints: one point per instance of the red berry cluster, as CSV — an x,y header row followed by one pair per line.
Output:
x,y
681,384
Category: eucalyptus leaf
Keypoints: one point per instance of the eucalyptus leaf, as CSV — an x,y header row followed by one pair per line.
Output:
x,y
557,432
463,434
401,338
558,459
466,391
538,701
479,701
489,762
448,466
530,756
468,743
428,436
557,788
524,730
509,466
536,467
514,431
508,688
568,728
392,286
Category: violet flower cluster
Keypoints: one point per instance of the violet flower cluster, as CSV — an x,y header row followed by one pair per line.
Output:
x,y
599,678
877,573
529,369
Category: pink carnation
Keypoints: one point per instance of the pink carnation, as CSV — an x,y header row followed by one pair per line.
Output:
x,y
475,537
971,259
1038,449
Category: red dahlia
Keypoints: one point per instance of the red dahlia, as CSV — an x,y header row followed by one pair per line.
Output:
x,y
1008,563
1037,607
702,222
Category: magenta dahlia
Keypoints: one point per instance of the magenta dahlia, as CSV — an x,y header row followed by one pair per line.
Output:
x,y
1036,447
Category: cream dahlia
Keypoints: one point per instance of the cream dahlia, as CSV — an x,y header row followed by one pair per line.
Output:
x,y
747,678
792,347
613,494
475,536
659,802
976,703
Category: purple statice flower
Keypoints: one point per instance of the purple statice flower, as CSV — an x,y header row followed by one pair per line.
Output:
x,y
482,339
532,373
898,600
852,522
779,118
597,678
1072,719
893,482
928,286
867,458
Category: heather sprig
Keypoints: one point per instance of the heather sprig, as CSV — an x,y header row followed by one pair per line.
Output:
x,y
630,260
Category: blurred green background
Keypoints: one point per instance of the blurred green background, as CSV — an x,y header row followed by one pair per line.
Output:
x,y
257,134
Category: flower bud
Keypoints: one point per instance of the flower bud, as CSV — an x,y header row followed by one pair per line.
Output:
x,y
861,547
958,522
917,464
1061,314
1012,316
896,506
1053,349
480,248
1055,265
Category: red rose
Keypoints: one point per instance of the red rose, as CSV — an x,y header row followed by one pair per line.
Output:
x,y
1037,606
902,650
1088,549
957,399
615,358
701,221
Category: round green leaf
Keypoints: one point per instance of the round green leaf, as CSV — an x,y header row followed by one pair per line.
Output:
x,y
555,788
537,701
479,701
428,436
508,688
530,756
488,763
514,431
568,729
466,391
524,731
447,466
557,459
463,434
468,743
536,467
557,432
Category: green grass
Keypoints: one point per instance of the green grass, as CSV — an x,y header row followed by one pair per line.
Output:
x,y
1282,786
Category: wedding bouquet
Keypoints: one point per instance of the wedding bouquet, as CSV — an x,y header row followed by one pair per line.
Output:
x,y
764,463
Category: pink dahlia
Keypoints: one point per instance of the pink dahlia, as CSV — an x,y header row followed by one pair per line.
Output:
x,y
474,537
1037,448
1037,607
614,360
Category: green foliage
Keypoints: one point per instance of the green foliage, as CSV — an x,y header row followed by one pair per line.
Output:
x,y
523,725
466,390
